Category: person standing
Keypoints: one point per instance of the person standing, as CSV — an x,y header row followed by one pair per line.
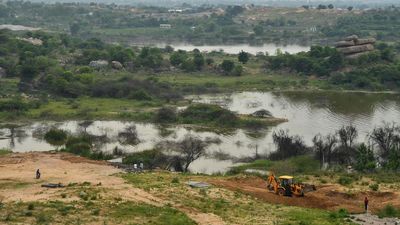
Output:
x,y
37,174
366,201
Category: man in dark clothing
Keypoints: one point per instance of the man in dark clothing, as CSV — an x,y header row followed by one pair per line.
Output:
x,y
366,203
37,174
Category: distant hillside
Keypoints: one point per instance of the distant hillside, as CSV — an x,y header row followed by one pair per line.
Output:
x,y
286,3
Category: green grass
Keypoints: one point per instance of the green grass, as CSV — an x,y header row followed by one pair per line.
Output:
x,y
95,108
129,211
90,212
295,165
4,151
261,82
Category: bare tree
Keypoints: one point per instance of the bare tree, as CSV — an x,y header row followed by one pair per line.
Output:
x,y
347,136
324,147
190,149
386,138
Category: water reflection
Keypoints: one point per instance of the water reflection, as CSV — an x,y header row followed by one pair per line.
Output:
x,y
309,113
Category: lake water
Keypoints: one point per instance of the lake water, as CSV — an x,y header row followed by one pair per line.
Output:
x,y
309,113
236,48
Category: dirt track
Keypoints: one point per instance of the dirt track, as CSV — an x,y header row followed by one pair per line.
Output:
x,y
328,197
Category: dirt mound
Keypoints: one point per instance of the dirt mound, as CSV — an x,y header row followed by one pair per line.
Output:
x,y
329,197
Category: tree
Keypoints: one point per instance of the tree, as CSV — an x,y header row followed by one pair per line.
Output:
x,y
74,28
178,57
243,57
347,136
198,61
287,145
350,8
258,30
330,6
336,60
386,137
56,137
190,149
365,159
166,115
227,66
324,147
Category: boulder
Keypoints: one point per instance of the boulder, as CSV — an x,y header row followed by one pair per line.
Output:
x,y
341,44
2,72
351,38
365,41
98,64
116,65
356,49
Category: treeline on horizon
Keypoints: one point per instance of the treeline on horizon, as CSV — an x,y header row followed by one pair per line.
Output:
x,y
113,22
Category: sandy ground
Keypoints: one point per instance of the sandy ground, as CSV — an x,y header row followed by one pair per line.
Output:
x,y
18,183
329,197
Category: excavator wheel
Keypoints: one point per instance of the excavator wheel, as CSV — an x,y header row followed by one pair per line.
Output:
x,y
281,192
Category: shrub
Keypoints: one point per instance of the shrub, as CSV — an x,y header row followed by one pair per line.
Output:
x,y
165,115
345,180
14,105
56,137
389,211
374,187
140,95
31,206
213,114
175,180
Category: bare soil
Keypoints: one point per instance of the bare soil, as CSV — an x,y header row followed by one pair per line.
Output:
x,y
18,183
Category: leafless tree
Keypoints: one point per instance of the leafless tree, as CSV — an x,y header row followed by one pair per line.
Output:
x,y
386,138
347,136
324,147
190,149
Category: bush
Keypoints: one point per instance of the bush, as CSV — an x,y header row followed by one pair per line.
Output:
x,y
166,115
374,187
14,105
56,137
140,95
389,211
345,180
213,114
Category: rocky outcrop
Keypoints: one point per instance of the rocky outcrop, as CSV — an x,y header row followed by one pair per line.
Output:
x,y
116,65
98,64
353,47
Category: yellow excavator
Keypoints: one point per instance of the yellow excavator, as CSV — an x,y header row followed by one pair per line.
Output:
x,y
285,186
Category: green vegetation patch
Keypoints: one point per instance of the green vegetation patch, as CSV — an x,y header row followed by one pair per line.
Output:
x,y
147,214
294,165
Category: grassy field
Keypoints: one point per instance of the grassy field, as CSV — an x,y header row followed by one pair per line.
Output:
x,y
232,207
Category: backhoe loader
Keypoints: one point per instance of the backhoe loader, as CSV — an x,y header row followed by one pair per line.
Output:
x,y
285,186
